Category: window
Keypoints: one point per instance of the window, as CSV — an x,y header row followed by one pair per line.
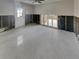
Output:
x,y
19,12
55,23
50,22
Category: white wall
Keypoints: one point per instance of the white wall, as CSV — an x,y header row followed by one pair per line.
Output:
x,y
27,9
7,7
76,9
64,7
19,21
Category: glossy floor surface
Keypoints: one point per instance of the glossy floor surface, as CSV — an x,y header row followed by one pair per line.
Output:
x,y
38,42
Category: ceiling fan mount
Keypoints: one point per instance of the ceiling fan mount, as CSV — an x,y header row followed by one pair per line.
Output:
x,y
37,1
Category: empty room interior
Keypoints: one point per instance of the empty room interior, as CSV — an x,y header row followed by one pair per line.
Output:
x,y
39,29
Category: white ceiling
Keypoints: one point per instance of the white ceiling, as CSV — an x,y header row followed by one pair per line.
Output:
x,y
30,1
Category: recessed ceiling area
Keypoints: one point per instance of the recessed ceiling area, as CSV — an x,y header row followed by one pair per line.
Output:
x,y
31,1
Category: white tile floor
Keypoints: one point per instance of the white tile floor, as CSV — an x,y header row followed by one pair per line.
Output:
x,y
38,42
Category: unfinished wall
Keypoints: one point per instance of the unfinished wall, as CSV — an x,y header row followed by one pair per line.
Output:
x,y
27,9
76,8
63,7
7,7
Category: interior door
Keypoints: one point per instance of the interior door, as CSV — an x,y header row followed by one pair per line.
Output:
x,y
70,25
61,22
5,21
36,18
28,19
11,22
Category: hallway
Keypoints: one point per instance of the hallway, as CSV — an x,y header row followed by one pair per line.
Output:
x,y
38,42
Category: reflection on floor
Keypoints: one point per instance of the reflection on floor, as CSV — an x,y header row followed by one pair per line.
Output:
x,y
38,42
